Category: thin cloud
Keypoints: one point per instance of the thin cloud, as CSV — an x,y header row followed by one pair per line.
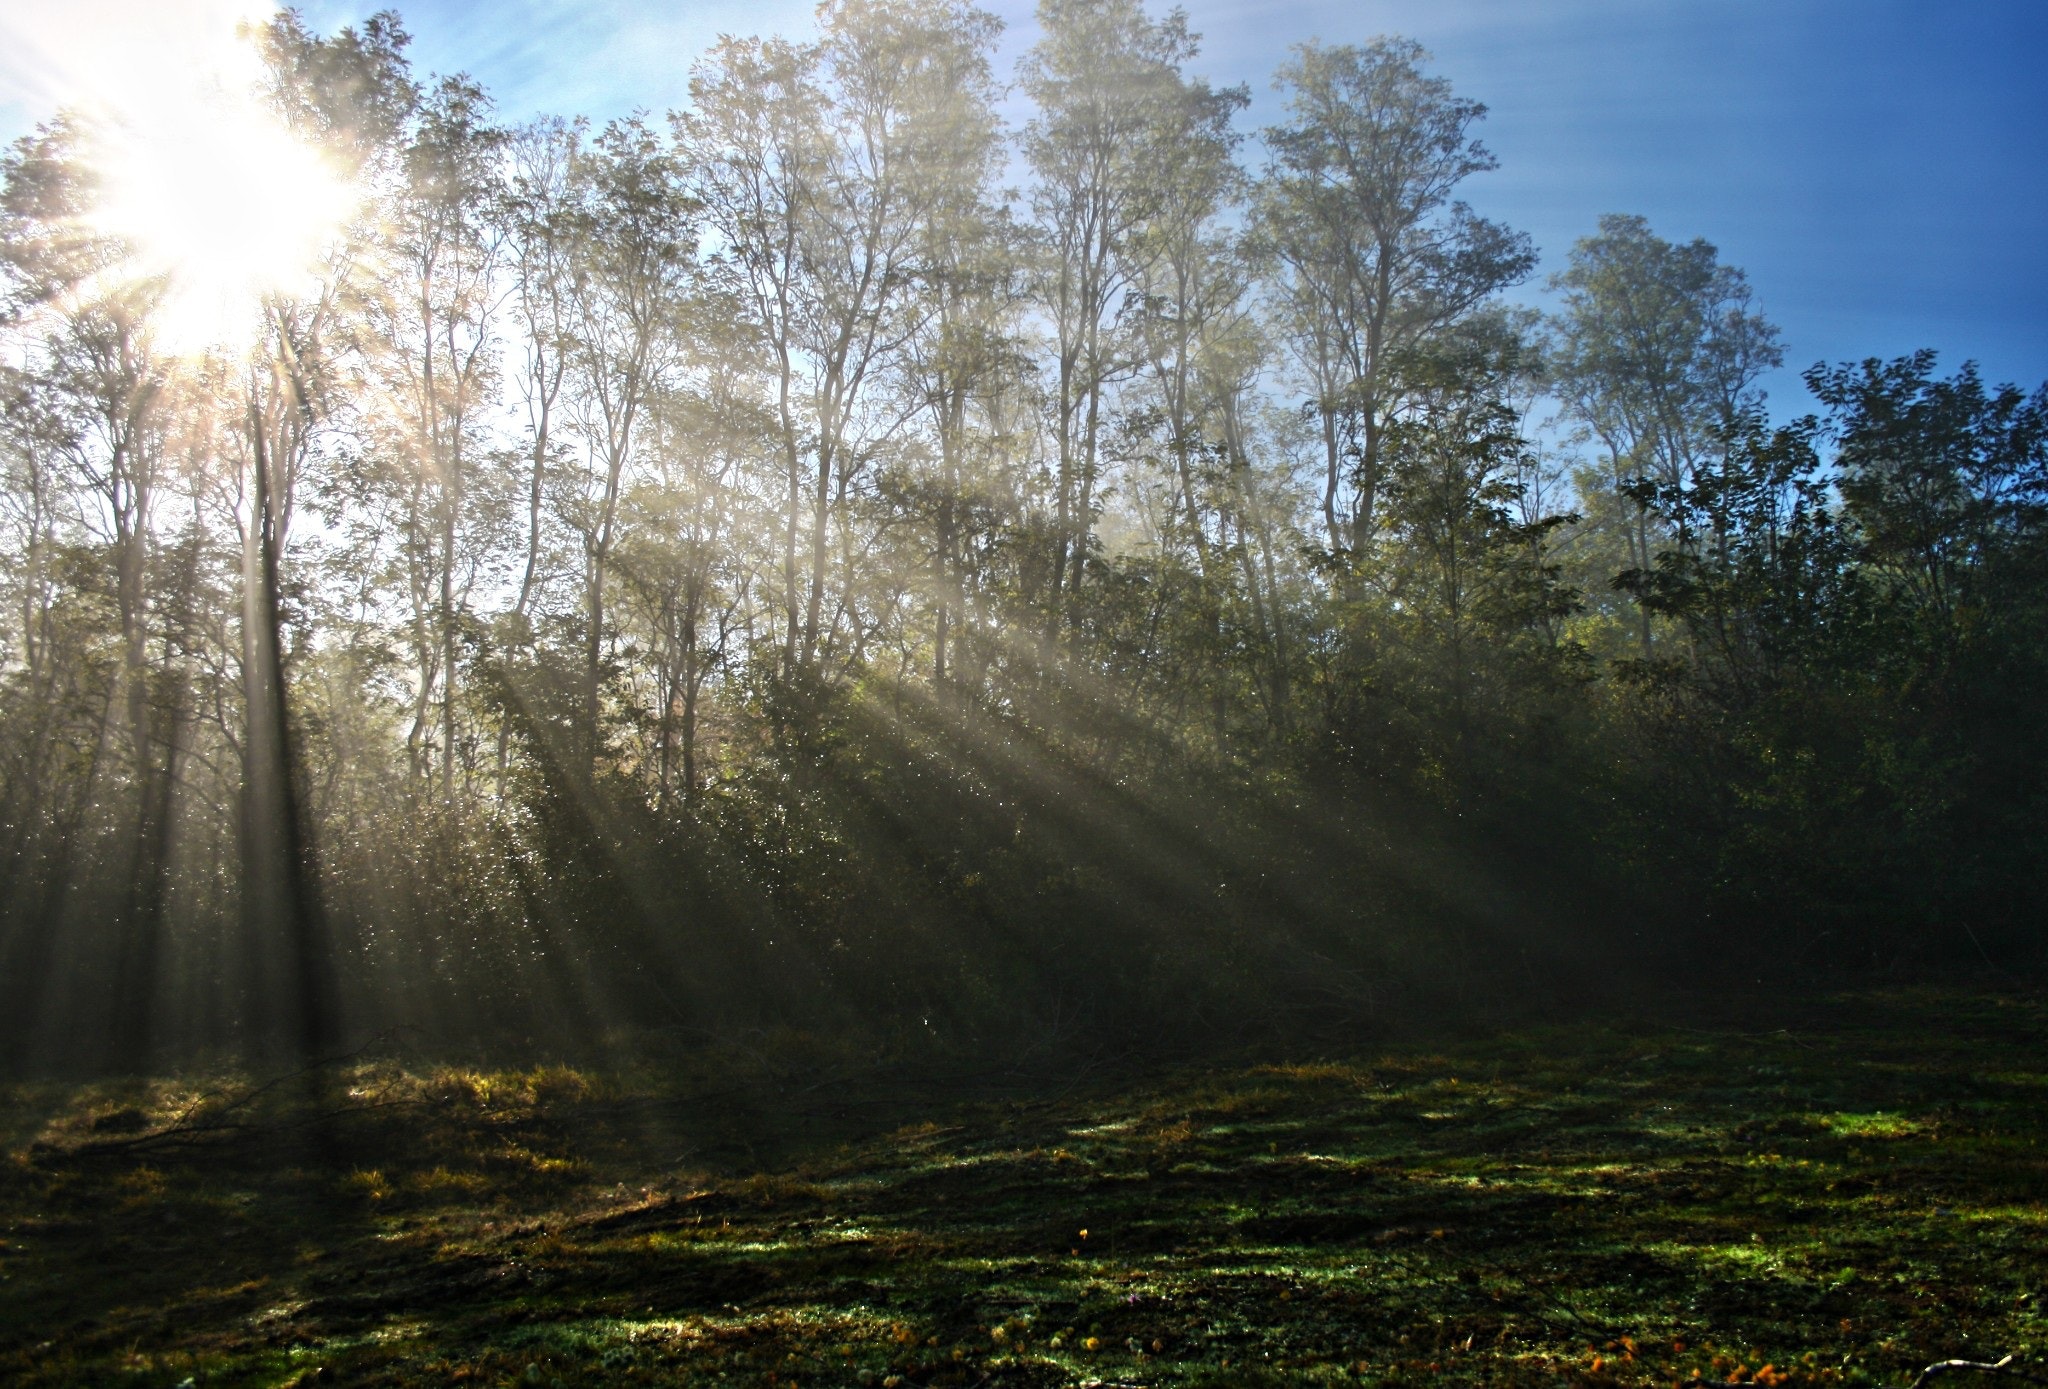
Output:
x,y
117,55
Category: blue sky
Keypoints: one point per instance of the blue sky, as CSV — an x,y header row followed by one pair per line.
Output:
x,y
1879,167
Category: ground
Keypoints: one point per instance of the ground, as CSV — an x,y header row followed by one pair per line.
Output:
x,y
1841,1192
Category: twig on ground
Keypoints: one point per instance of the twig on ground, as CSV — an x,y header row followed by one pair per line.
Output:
x,y
2000,1368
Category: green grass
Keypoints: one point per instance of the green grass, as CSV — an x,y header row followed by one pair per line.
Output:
x,y
1840,1195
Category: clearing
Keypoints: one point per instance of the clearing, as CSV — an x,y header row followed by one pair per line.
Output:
x,y
1837,1195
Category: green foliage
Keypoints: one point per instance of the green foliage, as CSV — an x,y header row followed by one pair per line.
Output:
x,y
1849,665
704,573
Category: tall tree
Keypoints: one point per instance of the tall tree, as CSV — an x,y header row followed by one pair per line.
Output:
x,y
964,335
1190,319
636,269
92,423
347,95
436,312
1374,253
1656,355
823,167
1112,103
753,138
539,218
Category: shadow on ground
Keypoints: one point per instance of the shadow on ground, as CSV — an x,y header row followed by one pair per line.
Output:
x,y
1839,1198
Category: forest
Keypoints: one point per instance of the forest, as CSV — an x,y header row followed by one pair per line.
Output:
x,y
848,585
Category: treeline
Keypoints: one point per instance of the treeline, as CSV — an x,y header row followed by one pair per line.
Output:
x,y
754,569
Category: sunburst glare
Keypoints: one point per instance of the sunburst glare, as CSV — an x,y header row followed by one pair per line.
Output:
x,y
223,205
218,202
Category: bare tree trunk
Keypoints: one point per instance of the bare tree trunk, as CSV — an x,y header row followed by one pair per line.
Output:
x,y
450,500
278,851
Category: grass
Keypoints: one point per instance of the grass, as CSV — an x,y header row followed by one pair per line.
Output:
x,y
1837,1196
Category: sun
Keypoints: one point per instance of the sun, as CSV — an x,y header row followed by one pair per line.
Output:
x,y
222,206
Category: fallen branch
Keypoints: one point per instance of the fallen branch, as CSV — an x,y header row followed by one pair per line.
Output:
x,y
1999,1368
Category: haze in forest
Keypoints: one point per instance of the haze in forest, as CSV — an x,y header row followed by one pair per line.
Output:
x,y
957,535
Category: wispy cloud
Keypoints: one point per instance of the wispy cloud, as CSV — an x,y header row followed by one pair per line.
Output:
x,y
592,57
117,54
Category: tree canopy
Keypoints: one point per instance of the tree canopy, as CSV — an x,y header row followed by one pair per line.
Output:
x,y
752,568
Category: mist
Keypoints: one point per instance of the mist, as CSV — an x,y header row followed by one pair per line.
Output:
x,y
834,573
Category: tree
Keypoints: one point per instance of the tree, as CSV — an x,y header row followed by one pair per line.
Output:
x,y
1112,104
1656,355
965,336
436,312
1373,254
900,591
824,168
1468,589
693,538
1191,291
90,402
1945,482
1847,733
634,274
538,215
753,143
347,94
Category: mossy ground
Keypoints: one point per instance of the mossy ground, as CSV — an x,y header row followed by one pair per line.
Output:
x,y
1836,1195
